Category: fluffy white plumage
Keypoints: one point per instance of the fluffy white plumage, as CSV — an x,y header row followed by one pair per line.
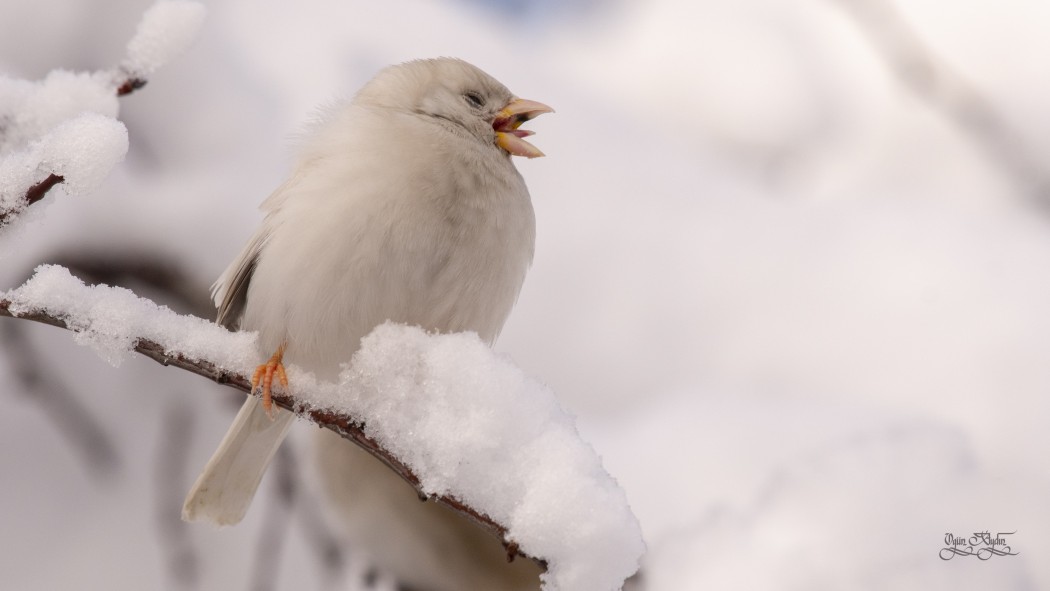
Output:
x,y
404,205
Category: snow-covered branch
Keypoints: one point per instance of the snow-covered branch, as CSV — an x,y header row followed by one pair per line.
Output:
x,y
64,129
220,372
461,424
37,191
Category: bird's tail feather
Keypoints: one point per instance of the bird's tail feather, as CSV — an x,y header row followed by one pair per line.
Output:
x,y
225,489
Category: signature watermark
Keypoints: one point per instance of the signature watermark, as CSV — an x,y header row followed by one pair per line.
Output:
x,y
981,544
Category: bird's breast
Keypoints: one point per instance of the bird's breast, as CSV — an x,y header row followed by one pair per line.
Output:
x,y
442,252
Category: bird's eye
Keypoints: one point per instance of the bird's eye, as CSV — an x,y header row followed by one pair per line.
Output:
x,y
474,99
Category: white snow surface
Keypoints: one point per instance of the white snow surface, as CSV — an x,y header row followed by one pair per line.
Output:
x,y
82,150
465,420
30,110
166,30
472,425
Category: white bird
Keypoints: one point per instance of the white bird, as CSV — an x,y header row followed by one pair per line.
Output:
x,y
404,205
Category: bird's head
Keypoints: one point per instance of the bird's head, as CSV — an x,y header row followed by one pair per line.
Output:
x,y
459,96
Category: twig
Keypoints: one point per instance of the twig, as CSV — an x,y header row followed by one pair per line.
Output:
x,y
934,81
344,425
270,542
130,85
33,194
181,556
70,418
39,190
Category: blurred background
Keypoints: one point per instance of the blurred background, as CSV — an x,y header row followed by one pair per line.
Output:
x,y
791,276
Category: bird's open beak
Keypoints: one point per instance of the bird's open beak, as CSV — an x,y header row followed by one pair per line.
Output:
x,y
506,124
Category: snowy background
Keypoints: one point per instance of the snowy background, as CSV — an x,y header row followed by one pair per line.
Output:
x,y
791,275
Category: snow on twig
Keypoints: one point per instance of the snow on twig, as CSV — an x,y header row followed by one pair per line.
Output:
x,y
63,129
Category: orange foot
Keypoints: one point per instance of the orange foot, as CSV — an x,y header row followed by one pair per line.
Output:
x,y
264,374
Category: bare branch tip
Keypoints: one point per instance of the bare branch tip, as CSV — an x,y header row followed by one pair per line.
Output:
x,y
130,85
512,549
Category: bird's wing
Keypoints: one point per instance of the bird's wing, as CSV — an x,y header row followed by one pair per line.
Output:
x,y
230,292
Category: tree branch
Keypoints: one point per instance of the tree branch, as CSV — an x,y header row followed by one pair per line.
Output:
x,y
33,194
345,426
934,81
39,190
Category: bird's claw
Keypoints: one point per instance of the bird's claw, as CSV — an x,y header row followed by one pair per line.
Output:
x,y
264,375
